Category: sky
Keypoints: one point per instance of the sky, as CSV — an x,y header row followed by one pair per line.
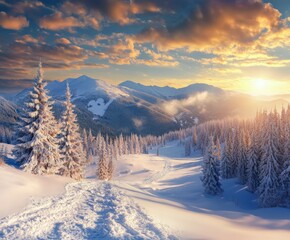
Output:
x,y
239,45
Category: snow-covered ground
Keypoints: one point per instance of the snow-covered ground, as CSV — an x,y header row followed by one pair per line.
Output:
x,y
151,197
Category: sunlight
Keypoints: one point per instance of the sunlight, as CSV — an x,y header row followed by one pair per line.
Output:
x,y
260,86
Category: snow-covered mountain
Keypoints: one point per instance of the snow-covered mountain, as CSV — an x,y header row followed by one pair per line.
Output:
x,y
8,116
135,108
108,108
171,92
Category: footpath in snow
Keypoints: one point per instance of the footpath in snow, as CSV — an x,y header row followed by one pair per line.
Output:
x,y
88,210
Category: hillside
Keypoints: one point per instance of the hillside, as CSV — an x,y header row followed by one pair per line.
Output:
x,y
151,197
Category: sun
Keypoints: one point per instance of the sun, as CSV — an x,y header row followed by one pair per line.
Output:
x,y
260,86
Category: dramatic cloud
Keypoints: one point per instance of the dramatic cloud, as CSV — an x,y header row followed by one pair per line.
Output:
x,y
19,57
216,25
121,12
57,21
11,22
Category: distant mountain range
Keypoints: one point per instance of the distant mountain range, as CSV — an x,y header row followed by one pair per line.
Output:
x,y
133,107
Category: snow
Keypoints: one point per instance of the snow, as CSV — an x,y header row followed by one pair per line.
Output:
x,y
99,107
83,86
151,197
177,200
18,187
167,92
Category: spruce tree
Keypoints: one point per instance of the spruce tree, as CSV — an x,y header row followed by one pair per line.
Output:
x,y
242,158
102,168
285,175
253,164
269,178
37,147
71,146
226,164
211,176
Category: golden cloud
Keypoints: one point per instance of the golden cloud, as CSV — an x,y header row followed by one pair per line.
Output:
x,y
64,41
217,25
27,39
11,22
57,21
121,12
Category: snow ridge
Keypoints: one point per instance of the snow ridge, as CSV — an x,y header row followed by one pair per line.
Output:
x,y
88,210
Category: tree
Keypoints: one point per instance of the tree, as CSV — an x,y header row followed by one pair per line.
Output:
x,y
226,164
71,146
37,147
285,175
194,138
187,148
211,176
102,168
242,157
253,165
269,182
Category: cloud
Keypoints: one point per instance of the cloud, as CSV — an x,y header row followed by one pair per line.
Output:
x,y
121,12
22,6
26,39
57,21
64,41
19,59
14,86
216,25
175,106
11,22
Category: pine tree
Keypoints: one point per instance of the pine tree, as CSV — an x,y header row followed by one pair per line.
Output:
x,y
102,169
37,149
187,148
210,178
269,182
73,156
226,164
285,175
111,162
253,165
242,158
194,138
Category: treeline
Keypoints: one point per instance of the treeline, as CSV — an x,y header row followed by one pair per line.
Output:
x,y
257,152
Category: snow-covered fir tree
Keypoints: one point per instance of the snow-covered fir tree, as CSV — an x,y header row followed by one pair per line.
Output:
x,y
194,138
187,148
102,166
226,158
211,176
269,169
285,175
72,154
37,148
242,157
253,164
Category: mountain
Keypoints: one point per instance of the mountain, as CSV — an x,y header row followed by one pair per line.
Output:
x,y
107,108
8,117
135,108
170,92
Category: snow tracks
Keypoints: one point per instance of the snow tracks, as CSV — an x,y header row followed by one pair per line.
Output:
x,y
88,210
156,176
